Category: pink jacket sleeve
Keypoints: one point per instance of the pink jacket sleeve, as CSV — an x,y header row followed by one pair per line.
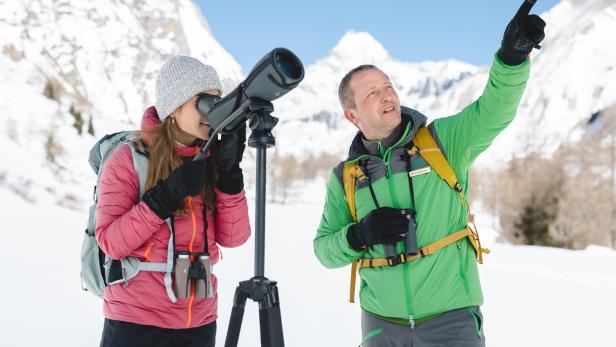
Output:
x,y
232,223
123,223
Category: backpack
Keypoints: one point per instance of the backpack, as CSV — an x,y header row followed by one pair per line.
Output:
x,y
97,269
424,144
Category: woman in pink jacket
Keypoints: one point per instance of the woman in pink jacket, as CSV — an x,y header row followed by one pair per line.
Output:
x,y
202,201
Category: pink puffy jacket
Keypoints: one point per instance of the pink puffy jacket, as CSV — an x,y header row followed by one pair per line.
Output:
x,y
126,226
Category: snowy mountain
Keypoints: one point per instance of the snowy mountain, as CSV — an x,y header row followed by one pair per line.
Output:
x,y
70,68
73,68
573,76
311,117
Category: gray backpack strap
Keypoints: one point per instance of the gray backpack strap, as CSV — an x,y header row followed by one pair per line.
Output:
x,y
153,267
170,255
131,265
140,163
93,267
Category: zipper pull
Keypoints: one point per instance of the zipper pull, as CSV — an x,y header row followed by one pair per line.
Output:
x,y
386,169
411,322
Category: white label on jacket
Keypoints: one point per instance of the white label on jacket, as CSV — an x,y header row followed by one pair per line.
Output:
x,y
418,172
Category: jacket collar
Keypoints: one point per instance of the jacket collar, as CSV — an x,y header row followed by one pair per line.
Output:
x,y
378,147
412,120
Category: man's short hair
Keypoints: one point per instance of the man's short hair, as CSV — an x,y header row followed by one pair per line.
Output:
x,y
345,93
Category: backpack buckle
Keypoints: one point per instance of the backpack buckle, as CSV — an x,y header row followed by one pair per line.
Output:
x,y
399,259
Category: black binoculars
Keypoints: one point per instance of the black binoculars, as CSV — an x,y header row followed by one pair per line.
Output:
x,y
410,239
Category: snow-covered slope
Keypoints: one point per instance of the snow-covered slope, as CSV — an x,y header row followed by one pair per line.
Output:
x,y
98,58
102,58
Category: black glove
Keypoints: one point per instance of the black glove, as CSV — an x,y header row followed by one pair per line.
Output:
x,y
228,153
523,33
167,195
384,225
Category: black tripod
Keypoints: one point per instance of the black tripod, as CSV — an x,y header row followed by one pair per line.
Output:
x,y
259,288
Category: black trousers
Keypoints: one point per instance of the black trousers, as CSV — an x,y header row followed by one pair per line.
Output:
x,y
125,334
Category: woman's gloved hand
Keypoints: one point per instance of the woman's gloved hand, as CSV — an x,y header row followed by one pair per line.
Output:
x,y
227,153
167,195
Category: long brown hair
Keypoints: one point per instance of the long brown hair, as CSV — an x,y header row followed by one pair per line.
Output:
x,y
163,159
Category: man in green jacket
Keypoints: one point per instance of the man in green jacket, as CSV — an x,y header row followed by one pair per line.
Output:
x,y
433,300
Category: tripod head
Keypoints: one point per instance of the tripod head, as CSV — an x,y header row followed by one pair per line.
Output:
x,y
261,122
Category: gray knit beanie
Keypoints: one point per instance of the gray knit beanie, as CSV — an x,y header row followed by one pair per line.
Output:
x,y
180,79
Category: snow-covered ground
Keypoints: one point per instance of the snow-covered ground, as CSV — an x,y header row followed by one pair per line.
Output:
x,y
534,296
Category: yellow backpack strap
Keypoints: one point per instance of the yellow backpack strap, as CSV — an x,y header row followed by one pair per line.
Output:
x,y
350,173
430,249
429,150
474,238
423,251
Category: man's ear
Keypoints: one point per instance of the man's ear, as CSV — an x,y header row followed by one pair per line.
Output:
x,y
350,116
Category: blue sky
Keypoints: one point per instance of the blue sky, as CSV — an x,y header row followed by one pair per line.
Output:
x,y
410,30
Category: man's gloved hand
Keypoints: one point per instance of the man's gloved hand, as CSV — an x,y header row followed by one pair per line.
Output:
x,y
228,153
383,225
523,33
166,196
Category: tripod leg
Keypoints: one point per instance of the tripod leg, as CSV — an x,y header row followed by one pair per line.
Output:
x,y
237,315
270,320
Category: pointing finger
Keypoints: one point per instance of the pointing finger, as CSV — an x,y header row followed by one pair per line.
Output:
x,y
524,10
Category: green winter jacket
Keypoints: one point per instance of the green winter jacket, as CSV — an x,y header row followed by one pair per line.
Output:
x,y
448,279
